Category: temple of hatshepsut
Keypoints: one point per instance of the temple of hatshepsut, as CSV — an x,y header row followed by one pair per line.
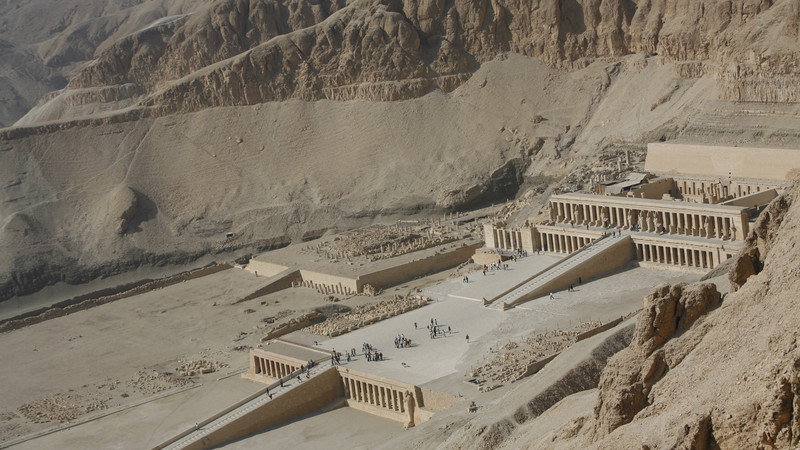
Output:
x,y
672,217
690,210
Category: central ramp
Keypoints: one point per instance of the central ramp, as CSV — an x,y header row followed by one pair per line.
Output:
x,y
602,256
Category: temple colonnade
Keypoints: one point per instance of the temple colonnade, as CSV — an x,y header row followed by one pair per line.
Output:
x,y
564,240
511,239
371,392
655,216
273,367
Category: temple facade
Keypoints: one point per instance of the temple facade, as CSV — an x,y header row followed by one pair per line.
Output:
x,y
694,220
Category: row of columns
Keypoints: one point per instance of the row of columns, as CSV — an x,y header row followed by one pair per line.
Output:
x,y
678,256
324,288
561,243
274,369
507,239
592,215
373,394
688,224
717,190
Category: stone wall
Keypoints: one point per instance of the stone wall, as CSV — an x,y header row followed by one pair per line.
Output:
x,y
737,162
423,266
309,396
69,307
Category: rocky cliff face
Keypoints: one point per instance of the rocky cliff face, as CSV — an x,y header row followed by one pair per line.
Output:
x,y
255,51
626,381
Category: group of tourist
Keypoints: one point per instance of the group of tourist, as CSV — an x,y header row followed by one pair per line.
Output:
x,y
437,330
370,352
494,266
336,358
400,341
374,356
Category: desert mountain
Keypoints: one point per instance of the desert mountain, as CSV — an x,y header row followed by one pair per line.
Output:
x,y
275,120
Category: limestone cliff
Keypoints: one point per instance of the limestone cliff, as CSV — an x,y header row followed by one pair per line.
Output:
x,y
254,51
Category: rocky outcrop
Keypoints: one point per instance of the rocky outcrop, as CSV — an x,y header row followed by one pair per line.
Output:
x,y
627,379
122,204
759,241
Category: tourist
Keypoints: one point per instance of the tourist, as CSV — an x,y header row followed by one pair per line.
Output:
x,y
467,339
415,325
281,381
551,296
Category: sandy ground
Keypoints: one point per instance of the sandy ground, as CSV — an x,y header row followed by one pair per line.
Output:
x,y
107,353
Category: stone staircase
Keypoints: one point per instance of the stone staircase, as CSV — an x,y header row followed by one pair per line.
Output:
x,y
560,268
240,409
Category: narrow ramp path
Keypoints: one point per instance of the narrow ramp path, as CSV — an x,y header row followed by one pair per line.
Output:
x,y
533,287
240,409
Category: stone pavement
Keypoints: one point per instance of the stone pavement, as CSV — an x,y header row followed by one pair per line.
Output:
x,y
428,359
495,281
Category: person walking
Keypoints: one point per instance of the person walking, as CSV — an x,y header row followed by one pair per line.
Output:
x,y
467,339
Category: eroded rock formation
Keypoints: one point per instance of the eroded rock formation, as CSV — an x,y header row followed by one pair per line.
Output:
x,y
254,51
627,379
759,242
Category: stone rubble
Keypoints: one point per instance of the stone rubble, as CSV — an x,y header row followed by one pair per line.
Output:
x,y
364,315
510,363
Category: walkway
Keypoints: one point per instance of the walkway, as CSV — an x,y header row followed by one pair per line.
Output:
x,y
248,406
556,270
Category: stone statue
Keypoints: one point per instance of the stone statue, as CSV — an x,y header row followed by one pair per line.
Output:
x,y
733,232
641,222
410,405
707,227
